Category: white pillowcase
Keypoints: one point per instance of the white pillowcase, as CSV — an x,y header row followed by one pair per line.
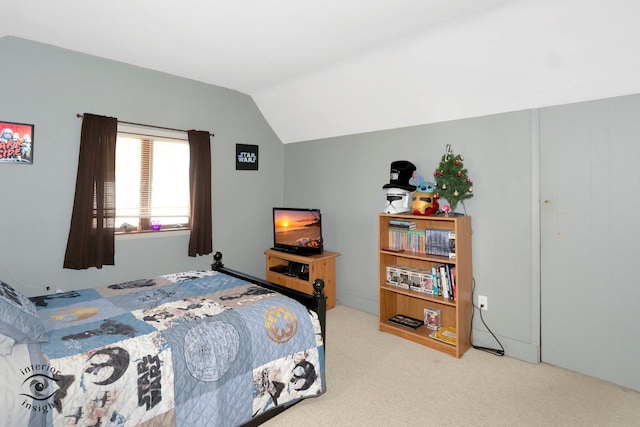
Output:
x,y
6,343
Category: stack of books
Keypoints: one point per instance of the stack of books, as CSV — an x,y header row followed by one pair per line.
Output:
x,y
403,236
444,281
445,334
403,225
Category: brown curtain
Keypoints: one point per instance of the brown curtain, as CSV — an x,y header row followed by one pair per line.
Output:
x,y
91,234
200,241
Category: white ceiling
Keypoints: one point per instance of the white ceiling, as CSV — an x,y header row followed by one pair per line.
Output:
x,y
319,69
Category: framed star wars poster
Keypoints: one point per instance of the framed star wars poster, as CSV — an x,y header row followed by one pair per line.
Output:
x,y
246,157
16,143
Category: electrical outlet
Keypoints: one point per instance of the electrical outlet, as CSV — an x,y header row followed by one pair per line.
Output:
x,y
483,302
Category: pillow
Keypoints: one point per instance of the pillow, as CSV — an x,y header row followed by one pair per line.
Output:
x,y
6,344
18,318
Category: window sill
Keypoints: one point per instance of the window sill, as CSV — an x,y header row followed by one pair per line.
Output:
x,y
152,233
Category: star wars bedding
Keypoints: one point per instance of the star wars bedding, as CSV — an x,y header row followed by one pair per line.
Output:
x,y
190,349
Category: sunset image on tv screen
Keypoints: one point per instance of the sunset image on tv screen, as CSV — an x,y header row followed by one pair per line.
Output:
x,y
297,228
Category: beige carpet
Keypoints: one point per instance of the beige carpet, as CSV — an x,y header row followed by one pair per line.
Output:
x,y
377,379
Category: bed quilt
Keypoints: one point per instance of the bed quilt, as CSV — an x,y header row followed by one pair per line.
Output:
x,y
188,349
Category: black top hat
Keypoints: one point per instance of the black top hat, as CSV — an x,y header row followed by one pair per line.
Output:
x,y
401,173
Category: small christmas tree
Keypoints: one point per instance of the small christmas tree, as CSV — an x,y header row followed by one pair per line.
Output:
x,y
452,181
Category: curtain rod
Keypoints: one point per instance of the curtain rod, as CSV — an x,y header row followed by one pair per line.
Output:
x,y
80,116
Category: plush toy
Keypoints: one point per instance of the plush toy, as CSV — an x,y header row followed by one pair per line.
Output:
x,y
424,200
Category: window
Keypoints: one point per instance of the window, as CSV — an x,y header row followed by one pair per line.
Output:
x,y
152,183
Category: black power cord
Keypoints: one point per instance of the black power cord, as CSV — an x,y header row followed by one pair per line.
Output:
x,y
495,351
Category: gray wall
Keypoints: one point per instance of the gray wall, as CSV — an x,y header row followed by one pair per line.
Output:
x,y
46,86
588,160
590,240
344,177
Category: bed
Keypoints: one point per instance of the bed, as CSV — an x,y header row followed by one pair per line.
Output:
x,y
208,347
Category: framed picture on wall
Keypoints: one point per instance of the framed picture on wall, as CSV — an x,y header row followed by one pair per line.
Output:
x,y
246,157
16,143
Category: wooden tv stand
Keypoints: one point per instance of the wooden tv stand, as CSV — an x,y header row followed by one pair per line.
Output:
x,y
321,266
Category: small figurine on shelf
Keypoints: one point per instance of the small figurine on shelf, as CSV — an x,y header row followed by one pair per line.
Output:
x,y
432,318
424,200
446,209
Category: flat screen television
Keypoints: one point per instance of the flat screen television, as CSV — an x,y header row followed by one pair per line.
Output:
x,y
297,230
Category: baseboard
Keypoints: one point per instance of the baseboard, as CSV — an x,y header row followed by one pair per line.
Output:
x,y
359,303
526,352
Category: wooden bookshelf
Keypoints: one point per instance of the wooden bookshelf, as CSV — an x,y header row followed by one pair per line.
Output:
x,y
397,300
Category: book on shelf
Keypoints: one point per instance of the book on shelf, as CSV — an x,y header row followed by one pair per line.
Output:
x,y
406,321
441,242
408,225
407,240
435,277
442,282
452,274
445,334
447,282
429,241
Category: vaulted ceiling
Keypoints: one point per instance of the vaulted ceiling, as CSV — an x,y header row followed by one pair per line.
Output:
x,y
325,68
